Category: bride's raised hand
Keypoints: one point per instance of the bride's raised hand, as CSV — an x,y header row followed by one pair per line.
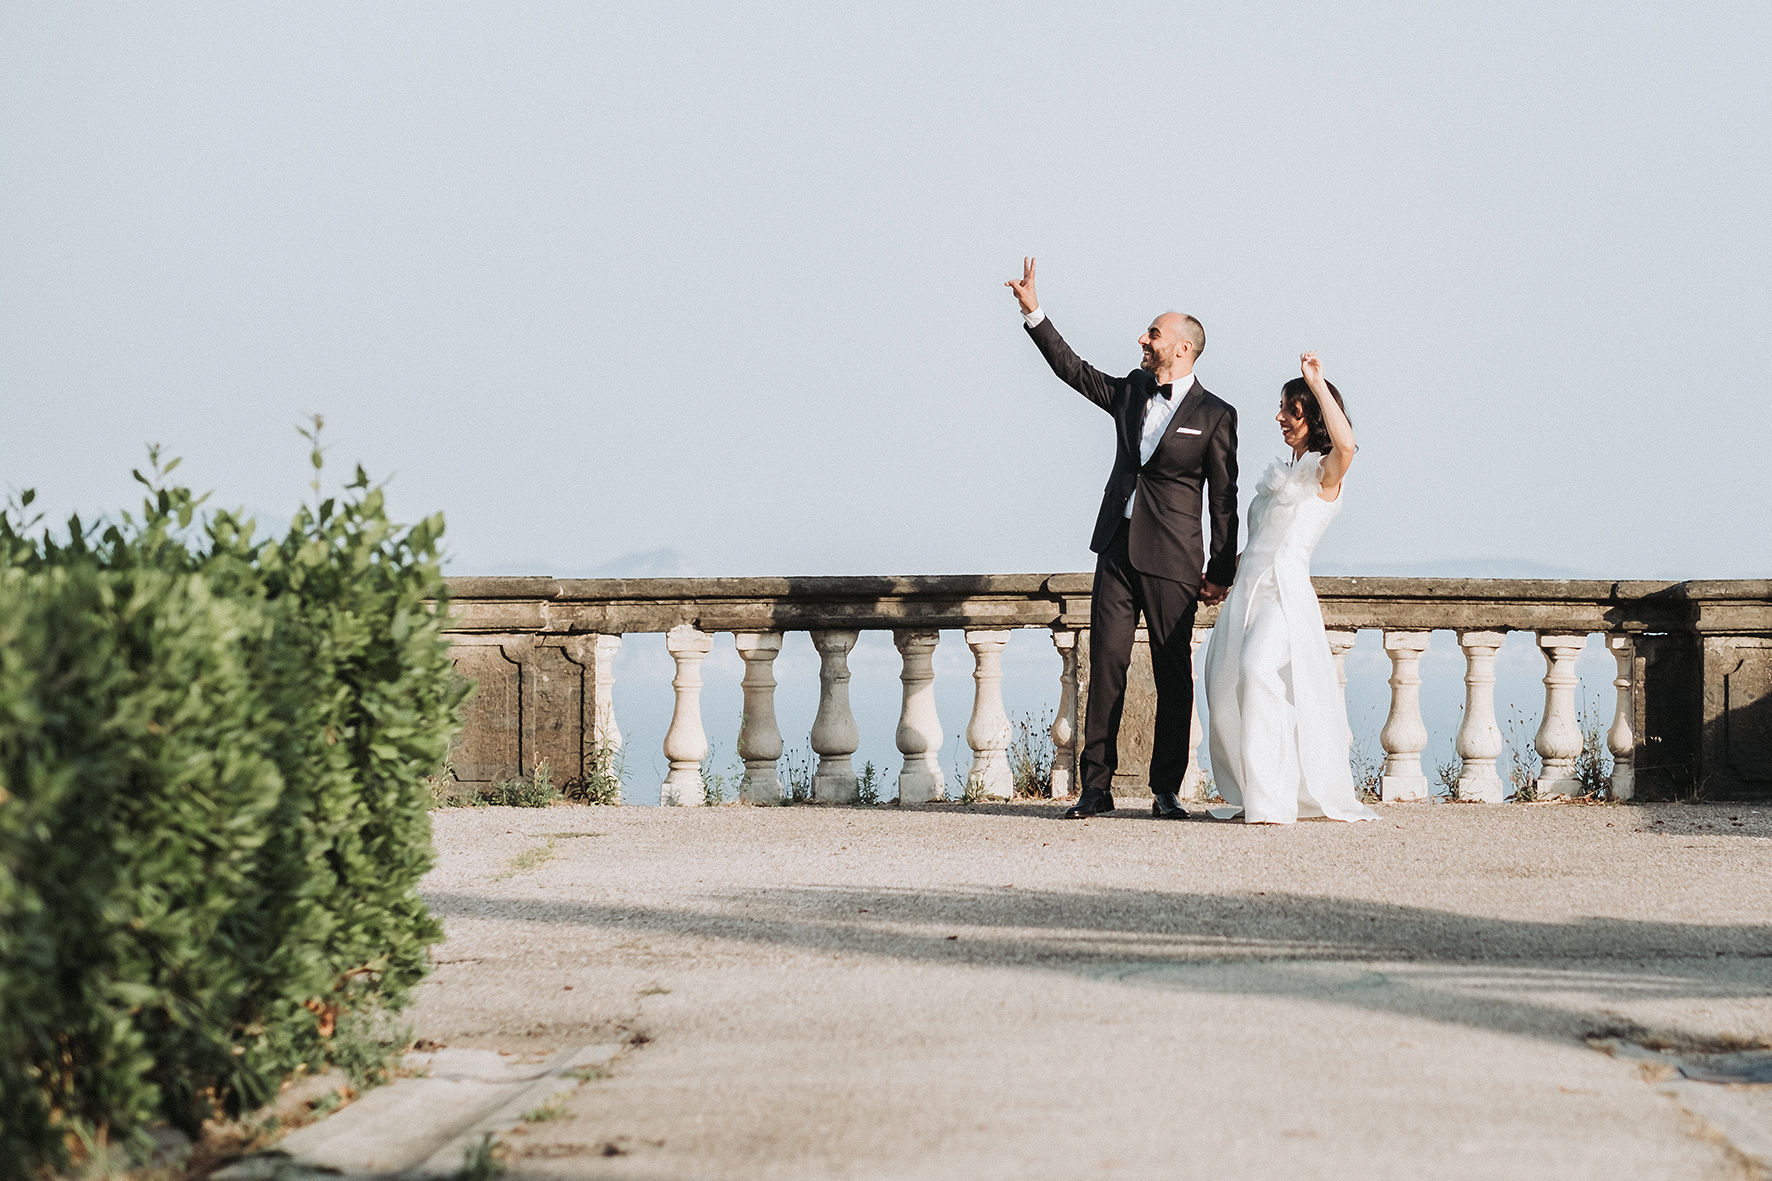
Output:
x,y
1312,368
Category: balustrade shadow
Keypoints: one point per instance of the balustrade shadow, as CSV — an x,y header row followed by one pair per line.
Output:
x,y
1447,967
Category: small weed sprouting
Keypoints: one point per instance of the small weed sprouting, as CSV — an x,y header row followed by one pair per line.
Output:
x,y
797,773
104,1159
529,859
1523,763
535,792
442,795
605,771
480,1162
1208,788
974,792
1695,791
326,1103
589,1074
1448,773
1367,768
867,784
1593,766
553,1109
714,783
364,1043
1030,756
962,779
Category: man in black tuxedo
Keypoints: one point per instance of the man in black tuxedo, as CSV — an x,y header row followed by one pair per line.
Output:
x,y
1173,441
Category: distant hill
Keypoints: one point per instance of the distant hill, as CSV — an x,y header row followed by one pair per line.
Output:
x,y
1455,568
658,563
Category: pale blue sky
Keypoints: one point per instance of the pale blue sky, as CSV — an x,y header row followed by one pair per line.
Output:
x,y
726,279
598,279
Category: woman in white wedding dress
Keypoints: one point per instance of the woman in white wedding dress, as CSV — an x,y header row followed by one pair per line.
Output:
x,y
1279,732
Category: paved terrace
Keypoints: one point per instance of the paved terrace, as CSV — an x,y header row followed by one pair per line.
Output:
x,y
984,992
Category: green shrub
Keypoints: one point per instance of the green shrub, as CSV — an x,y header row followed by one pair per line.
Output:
x,y
213,758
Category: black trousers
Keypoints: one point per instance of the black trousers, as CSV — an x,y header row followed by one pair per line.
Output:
x,y
1122,594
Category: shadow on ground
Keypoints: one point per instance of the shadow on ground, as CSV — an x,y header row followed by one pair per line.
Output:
x,y
1507,975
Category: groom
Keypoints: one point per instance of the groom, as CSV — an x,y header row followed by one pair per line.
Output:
x,y
1172,442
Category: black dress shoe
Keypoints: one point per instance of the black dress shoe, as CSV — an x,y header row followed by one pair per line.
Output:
x,y
1090,804
1165,806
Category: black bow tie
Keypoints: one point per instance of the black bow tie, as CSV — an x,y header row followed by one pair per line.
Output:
x,y
1163,391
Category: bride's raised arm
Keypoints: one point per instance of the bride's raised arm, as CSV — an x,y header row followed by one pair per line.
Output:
x,y
1341,431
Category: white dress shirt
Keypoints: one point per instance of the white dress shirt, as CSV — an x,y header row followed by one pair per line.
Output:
x,y
1156,418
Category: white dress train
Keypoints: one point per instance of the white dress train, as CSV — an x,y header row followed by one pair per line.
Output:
x,y
1279,733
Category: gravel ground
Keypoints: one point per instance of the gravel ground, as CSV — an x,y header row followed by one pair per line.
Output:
x,y
981,992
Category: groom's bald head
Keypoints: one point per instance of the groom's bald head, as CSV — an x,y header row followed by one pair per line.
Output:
x,y
1187,328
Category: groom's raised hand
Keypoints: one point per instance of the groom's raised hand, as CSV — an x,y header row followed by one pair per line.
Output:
x,y
1024,287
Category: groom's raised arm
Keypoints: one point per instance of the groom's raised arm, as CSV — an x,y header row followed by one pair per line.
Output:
x,y
1071,369
1221,500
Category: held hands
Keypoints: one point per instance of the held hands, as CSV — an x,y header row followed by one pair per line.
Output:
x,y
1024,287
1312,368
1211,594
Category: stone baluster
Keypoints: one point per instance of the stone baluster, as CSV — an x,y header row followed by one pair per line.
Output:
x,y
834,735
1193,780
919,729
988,732
759,737
1559,734
1479,741
1620,740
605,735
1404,735
1340,644
1064,725
686,743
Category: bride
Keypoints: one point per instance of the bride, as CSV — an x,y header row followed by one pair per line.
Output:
x,y
1279,727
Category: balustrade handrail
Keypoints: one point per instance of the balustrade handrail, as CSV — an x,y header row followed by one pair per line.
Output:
x,y
1694,662
615,606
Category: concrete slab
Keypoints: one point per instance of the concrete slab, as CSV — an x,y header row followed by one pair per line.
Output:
x,y
987,992
1743,1117
421,1127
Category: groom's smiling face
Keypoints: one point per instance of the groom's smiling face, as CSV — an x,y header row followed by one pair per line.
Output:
x,y
1163,344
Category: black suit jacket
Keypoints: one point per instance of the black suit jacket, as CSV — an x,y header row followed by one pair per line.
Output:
x,y
1164,538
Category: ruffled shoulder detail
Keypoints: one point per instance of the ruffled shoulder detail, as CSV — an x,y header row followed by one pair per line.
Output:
x,y
1291,483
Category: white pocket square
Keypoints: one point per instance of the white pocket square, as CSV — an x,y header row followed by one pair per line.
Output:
x,y
1186,430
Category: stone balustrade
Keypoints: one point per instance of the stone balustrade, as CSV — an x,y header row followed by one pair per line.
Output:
x,y
1693,710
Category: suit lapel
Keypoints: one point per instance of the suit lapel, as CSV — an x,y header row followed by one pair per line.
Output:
x,y
1191,404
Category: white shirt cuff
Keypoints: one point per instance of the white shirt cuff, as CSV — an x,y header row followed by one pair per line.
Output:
x,y
1032,319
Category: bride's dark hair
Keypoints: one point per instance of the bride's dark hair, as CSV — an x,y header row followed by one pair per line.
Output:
x,y
1296,396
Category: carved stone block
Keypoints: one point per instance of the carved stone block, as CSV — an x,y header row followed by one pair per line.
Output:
x,y
533,704
1735,753
490,746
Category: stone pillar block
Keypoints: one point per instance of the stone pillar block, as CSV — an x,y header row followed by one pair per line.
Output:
x,y
1479,741
686,743
1559,733
834,733
988,731
919,729
1066,741
1404,736
759,737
